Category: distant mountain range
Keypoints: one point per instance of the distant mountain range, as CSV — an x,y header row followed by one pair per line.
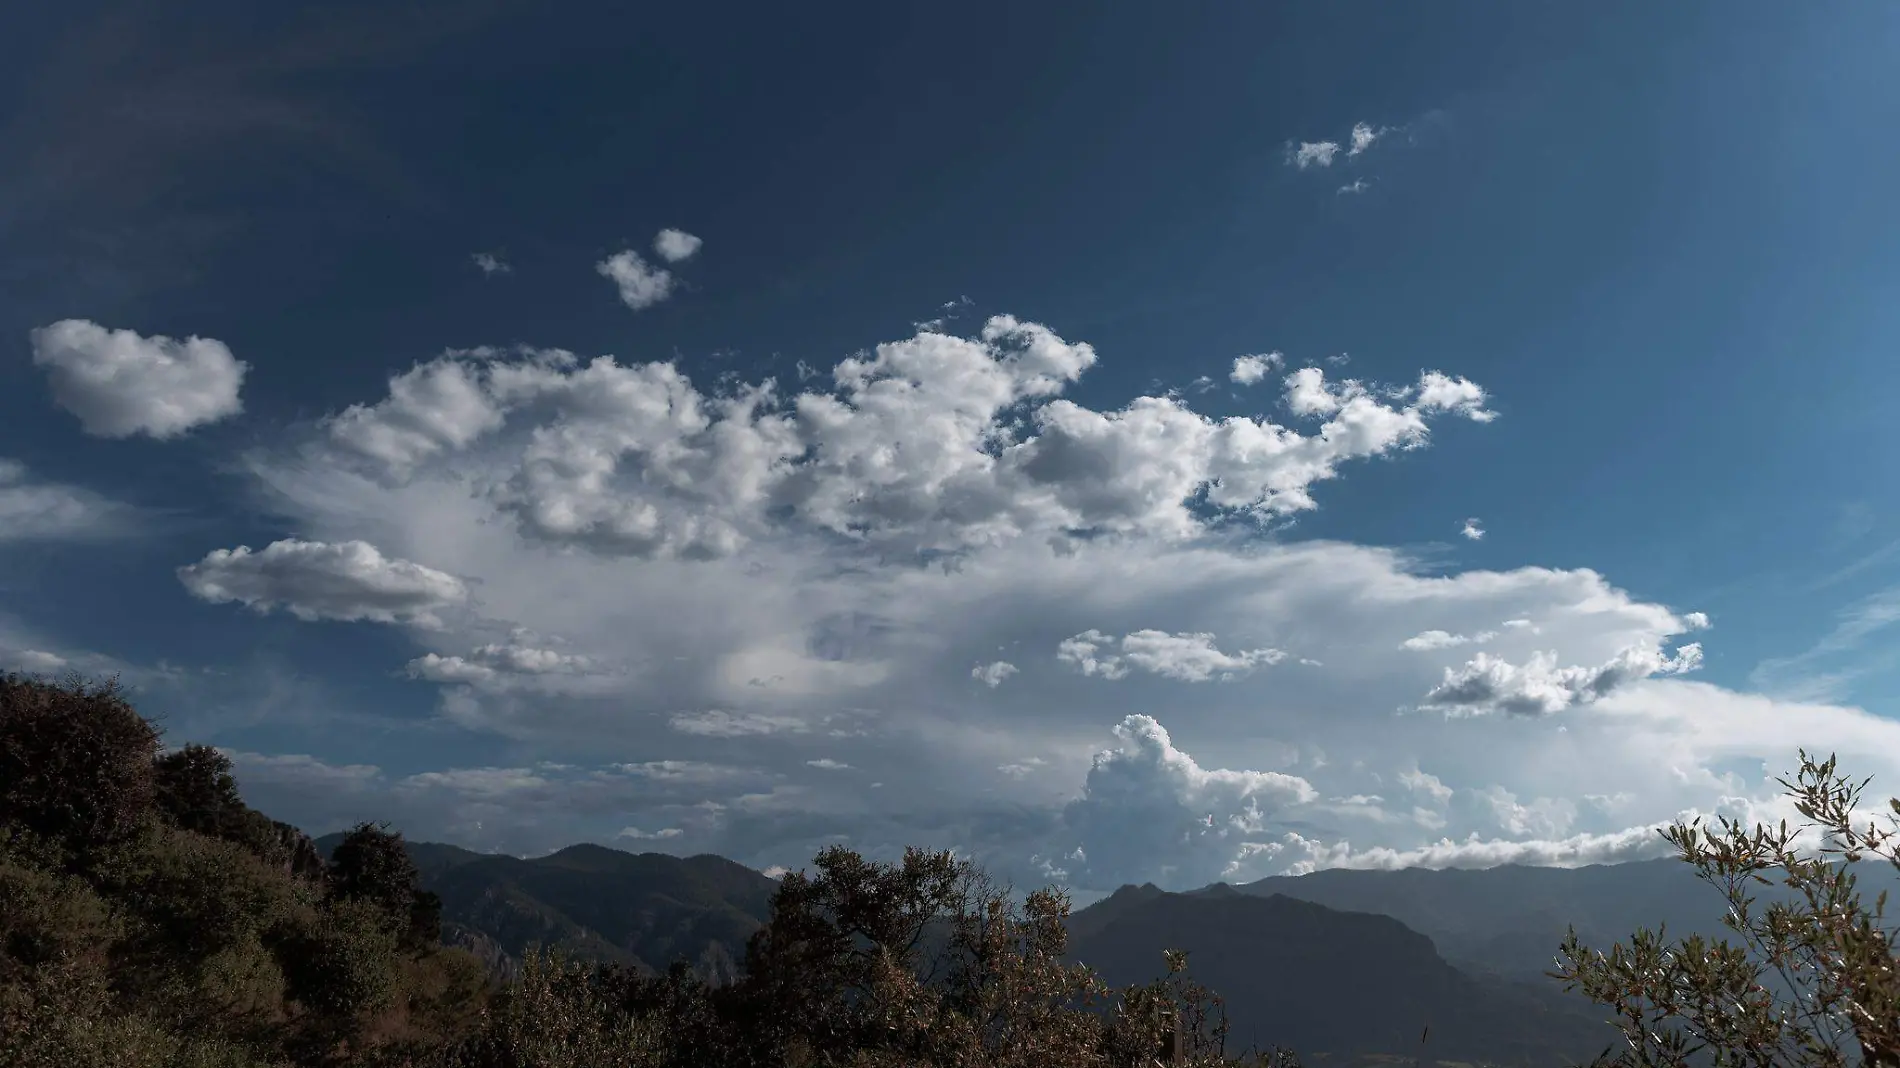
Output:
x,y
1348,963
1510,920
644,910
1320,980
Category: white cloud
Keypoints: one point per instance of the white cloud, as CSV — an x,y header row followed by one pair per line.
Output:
x,y
1425,784
716,723
503,666
828,764
490,263
1313,154
1441,393
34,510
1147,804
935,444
1439,639
303,770
641,285
1696,621
1082,652
1488,685
820,637
1184,657
1020,768
1251,369
37,661
432,408
1357,185
675,245
314,580
992,674
120,384
661,834
1363,134
1472,529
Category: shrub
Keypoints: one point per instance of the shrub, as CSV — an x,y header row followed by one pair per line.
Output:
x,y
343,967
75,763
1815,978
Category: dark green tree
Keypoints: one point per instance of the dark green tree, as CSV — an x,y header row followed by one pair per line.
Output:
x,y
75,763
372,865
196,791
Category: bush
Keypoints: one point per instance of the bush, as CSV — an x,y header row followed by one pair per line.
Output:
x,y
48,919
1815,979
76,763
343,967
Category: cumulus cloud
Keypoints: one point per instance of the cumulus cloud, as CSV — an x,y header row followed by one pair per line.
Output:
x,y
937,444
313,580
1313,154
1251,369
490,263
1083,652
432,408
501,665
820,636
1184,657
33,509
1472,529
1146,805
640,284
121,384
992,674
675,245
1489,685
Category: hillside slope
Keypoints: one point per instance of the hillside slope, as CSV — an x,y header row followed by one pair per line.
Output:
x,y
1321,980
644,910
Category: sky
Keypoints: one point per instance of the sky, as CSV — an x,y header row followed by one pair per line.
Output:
x,y
1164,444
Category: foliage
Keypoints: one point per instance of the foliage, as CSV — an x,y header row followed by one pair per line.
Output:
x,y
1815,977
371,865
149,917
76,763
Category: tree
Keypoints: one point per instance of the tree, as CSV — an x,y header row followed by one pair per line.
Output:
x,y
1815,977
196,791
75,763
372,865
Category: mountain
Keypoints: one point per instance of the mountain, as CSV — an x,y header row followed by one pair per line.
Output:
x,y
1510,920
1324,981
643,910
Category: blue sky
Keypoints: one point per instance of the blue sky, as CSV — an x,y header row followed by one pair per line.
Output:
x,y
1649,251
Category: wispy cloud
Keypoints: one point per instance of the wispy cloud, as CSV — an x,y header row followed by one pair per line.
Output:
x,y
1828,669
1313,154
33,509
1363,135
